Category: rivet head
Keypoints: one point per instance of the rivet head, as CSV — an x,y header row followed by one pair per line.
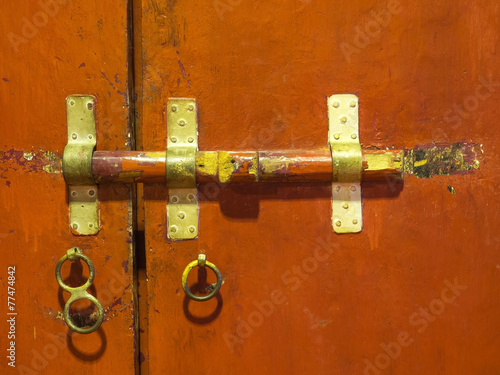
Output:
x,y
337,188
174,199
174,108
75,226
91,225
181,215
354,136
73,193
191,197
72,102
74,136
190,139
353,104
336,104
191,108
353,188
90,136
90,105
336,136
338,223
343,119
173,229
345,205
192,229
91,192
182,122
355,221
173,139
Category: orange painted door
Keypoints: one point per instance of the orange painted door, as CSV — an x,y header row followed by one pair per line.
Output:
x,y
416,291
50,50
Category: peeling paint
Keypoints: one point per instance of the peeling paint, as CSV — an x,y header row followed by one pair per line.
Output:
x,y
442,159
226,166
31,161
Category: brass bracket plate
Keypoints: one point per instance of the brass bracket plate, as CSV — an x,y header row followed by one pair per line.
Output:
x,y
77,165
343,119
182,144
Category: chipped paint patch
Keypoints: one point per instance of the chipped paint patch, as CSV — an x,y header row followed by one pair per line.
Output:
x,y
442,159
226,166
207,163
31,161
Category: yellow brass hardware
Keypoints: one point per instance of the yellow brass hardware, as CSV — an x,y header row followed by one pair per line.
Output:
x,y
343,118
201,262
77,165
80,292
182,144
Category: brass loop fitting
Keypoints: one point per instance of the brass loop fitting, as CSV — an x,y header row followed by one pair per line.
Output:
x,y
201,262
80,292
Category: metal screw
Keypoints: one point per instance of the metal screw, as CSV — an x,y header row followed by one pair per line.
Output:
x,y
345,205
191,197
173,139
91,192
336,104
74,136
75,226
174,108
343,120
182,215
355,221
90,136
173,229
336,136
182,122
71,102
338,223
192,229
190,139
354,136
353,104
73,193
174,199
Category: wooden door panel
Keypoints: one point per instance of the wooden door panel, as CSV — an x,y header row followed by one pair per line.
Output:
x,y
52,49
411,293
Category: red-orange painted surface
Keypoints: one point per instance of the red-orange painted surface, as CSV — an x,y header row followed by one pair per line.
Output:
x,y
420,280
49,52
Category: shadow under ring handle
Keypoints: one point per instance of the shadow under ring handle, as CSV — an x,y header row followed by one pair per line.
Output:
x,y
201,262
80,292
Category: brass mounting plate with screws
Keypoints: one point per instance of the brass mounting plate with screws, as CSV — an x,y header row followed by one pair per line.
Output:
x,y
343,118
182,145
77,165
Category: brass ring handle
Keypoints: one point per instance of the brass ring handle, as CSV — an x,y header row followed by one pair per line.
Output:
x,y
201,262
80,292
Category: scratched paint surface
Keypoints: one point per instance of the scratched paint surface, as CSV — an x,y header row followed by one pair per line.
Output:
x,y
77,48
298,299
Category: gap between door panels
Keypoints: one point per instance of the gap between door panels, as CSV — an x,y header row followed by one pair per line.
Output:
x,y
140,287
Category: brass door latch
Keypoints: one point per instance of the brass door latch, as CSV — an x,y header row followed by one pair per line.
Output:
x,y
182,166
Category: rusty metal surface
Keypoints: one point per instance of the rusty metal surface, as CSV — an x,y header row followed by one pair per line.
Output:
x,y
297,299
51,49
